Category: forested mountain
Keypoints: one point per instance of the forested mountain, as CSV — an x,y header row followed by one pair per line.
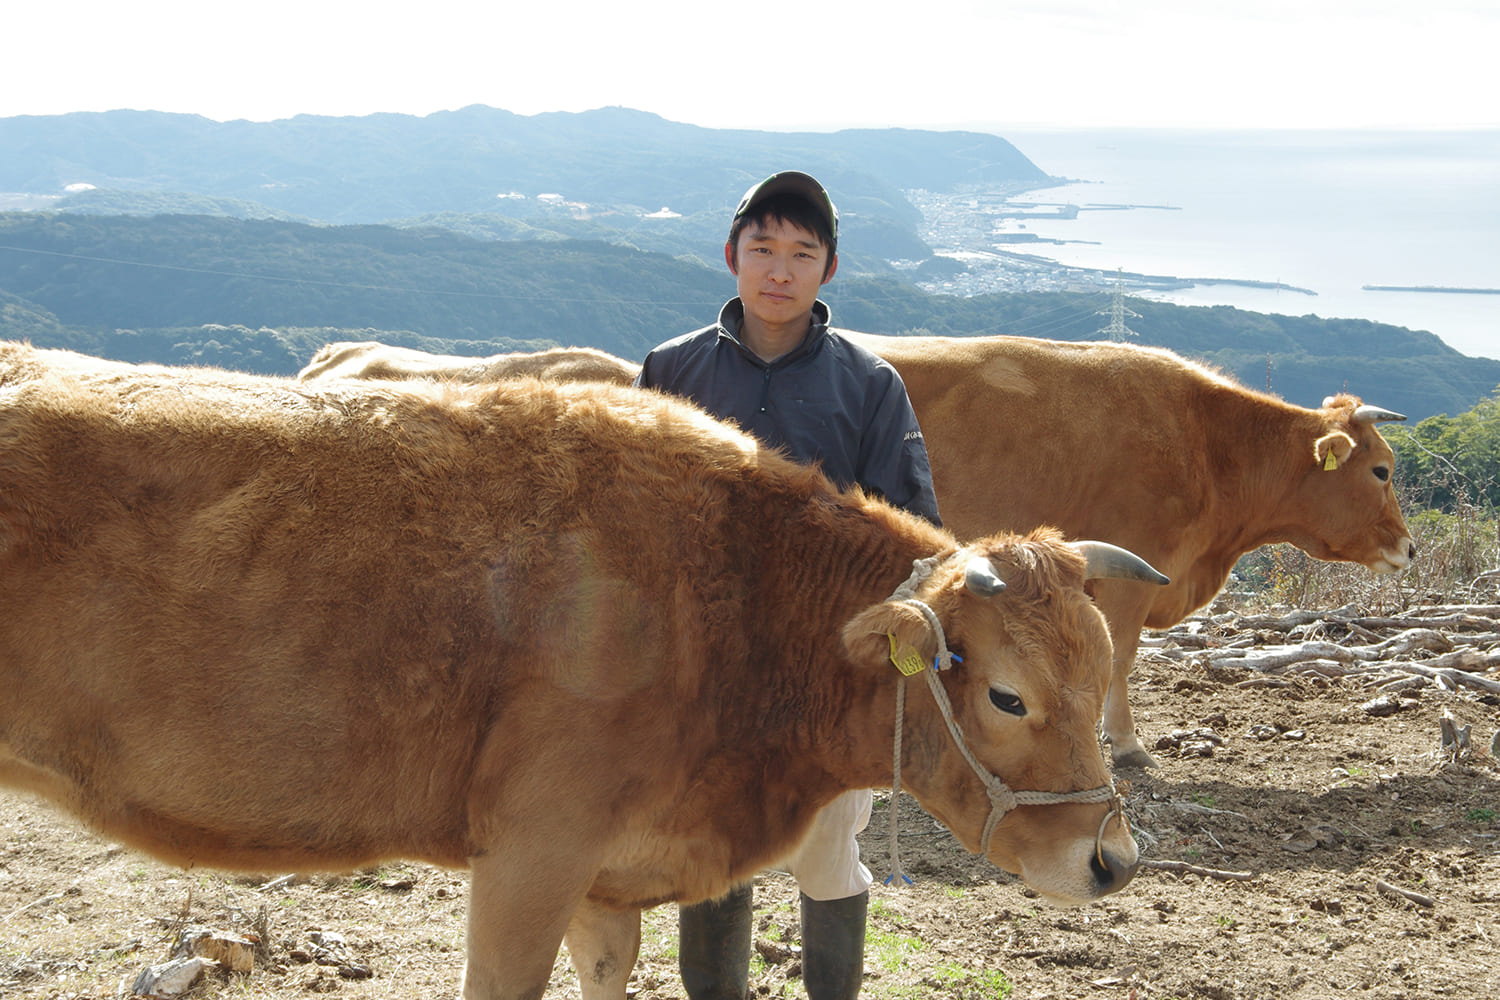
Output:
x,y
262,295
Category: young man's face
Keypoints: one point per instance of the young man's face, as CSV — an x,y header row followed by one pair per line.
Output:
x,y
779,268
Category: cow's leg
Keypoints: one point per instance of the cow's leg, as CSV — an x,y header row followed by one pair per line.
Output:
x,y
1119,725
603,944
520,904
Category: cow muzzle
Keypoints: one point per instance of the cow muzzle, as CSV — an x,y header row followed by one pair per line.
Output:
x,y
1395,558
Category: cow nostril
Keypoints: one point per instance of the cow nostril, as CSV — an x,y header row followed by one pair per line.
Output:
x,y
1109,873
1411,551
1101,873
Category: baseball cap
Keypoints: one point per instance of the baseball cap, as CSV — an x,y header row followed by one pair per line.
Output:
x,y
797,183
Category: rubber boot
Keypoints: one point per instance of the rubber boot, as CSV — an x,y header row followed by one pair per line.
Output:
x,y
713,946
833,946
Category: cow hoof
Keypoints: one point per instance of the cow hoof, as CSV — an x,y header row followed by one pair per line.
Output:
x,y
1135,758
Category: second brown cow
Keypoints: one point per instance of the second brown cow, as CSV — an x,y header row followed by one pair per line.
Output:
x,y
1136,446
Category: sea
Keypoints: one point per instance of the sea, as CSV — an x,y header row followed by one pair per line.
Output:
x,y
1329,212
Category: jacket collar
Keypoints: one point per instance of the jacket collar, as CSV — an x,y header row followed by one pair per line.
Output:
x,y
732,320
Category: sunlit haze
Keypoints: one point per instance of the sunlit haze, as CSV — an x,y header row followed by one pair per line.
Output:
x,y
946,63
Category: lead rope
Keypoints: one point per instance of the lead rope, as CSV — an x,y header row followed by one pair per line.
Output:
x,y
920,571
1002,797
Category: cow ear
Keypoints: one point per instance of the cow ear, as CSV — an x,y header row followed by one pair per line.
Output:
x,y
887,635
1333,450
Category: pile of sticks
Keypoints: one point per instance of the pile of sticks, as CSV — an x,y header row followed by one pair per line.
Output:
x,y
1452,646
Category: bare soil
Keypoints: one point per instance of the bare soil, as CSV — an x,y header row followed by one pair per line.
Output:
x,y
1305,815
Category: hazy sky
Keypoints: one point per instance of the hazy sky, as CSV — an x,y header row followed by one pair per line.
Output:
x,y
808,65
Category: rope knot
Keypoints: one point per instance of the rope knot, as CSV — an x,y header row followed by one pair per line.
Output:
x,y
1002,797
921,569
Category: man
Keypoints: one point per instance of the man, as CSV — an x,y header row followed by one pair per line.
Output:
x,y
774,365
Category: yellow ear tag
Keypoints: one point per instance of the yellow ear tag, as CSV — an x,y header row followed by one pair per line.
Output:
x,y
1331,462
906,658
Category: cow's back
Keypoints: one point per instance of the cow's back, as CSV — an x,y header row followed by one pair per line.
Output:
x,y
373,360
1042,431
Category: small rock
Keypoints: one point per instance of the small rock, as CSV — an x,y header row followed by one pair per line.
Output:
x,y
1326,836
1382,706
328,948
774,952
1300,843
171,979
1191,742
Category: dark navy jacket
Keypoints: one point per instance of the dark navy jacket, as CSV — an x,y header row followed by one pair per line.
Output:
x,y
828,401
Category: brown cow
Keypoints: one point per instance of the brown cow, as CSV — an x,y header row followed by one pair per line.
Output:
x,y
371,360
529,628
1139,447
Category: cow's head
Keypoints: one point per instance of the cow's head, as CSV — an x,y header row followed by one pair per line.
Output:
x,y
1026,688
1347,493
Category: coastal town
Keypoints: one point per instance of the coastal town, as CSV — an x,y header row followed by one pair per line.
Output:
x,y
980,233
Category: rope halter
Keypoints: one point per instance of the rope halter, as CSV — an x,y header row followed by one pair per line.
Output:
x,y
1002,797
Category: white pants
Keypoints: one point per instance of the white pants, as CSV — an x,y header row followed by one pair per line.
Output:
x,y
827,865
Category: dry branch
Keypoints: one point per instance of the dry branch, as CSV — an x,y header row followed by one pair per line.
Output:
x,y
1183,868
1415,897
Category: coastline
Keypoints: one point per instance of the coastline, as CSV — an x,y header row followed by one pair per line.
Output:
x,y
1442,289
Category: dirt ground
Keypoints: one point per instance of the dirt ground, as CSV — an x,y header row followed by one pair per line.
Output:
x,y
1309,814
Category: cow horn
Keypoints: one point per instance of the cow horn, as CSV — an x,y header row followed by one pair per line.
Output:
x,y
1106,561
1374,415
981,579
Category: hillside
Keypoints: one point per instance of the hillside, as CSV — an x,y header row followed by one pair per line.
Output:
x,y
263,294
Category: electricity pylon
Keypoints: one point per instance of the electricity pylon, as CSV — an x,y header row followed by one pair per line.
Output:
x,y
1117,330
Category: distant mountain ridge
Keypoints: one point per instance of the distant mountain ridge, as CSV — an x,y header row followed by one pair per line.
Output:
x,y
386,166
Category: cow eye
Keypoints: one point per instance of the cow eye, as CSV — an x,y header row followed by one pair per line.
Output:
x,y
1008,703
1382,473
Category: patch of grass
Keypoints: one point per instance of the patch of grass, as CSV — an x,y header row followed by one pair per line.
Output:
x,y
889,950
659,934
986,984
1481,815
